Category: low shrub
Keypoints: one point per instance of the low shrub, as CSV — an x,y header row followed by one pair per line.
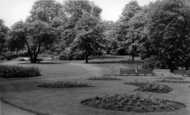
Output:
x,y
133,103
62,84
8,71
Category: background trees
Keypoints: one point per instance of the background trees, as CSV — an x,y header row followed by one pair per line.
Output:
x,y
3,38
168,29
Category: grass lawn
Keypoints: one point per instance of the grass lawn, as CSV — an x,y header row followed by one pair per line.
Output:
x,y
66,101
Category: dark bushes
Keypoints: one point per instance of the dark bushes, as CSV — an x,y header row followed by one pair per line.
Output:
x,y
7,71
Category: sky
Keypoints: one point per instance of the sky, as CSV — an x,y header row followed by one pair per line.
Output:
x,y
12,11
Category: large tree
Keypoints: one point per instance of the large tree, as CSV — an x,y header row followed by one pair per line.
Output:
x,y
89,36
83,17
3,38
36,37
130,10
51,12
136,33
168,29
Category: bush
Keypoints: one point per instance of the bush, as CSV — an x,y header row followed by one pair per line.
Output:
x,y
7,71
62,84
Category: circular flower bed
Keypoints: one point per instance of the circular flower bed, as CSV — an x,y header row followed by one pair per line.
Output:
x,y
155,88
132,103
174,81
61,84
151,87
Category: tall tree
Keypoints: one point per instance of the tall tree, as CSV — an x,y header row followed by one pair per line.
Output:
x,y
82,26
136,33
89,36
51,12
168,30
130,10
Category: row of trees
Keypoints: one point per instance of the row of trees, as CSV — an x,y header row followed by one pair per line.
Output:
x,y
158,31
73,27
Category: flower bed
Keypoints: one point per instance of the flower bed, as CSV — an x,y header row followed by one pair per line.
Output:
x,y
173,81
151,87
132,103
61,84
104,78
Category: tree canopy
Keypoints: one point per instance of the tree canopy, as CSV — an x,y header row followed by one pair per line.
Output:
x,y
168,30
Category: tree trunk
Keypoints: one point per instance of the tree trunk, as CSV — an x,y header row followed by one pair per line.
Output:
x,y
133,58
86,59
33,59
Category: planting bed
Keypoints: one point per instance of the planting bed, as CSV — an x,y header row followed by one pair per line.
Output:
x,y
132,103
61,84
151,87
105,78
173,81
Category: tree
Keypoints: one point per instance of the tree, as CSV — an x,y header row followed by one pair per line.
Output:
x,y
136,33
82,19
89,37
51,12
130,10
36,37
168,30
3,38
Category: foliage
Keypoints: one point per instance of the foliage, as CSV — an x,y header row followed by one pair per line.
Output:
x,y
18,71
83,31
168,34
110,29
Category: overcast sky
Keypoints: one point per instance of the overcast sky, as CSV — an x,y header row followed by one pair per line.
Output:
x,y
12,11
